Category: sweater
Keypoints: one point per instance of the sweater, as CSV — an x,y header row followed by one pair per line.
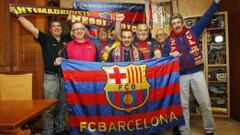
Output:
x,y
186,61
83,51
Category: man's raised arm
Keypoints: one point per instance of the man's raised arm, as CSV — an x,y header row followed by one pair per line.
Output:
x,y
119,19
29,26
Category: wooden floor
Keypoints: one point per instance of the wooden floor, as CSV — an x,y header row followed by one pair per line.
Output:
x,y
224,126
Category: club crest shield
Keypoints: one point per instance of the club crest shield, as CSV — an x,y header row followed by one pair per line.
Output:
x,y
126,88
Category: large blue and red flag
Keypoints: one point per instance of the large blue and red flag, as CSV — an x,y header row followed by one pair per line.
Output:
x,y
126,98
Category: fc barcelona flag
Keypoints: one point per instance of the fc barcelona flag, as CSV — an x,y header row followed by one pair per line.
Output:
x,y
125,98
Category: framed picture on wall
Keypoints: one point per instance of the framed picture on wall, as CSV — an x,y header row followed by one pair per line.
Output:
x,y
161,12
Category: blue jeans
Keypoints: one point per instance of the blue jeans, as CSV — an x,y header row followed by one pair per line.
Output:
x,y
200,92
54,118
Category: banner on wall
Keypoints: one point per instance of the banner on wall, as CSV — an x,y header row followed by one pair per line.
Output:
x,y
77,15
122,98
19,9
93,14
134,13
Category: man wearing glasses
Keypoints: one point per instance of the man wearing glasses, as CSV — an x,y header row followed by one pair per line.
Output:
x,y
80,48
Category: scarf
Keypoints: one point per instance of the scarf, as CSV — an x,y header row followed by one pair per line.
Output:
x,y
191,40
118,54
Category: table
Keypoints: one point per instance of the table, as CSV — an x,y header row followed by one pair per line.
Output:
x,y
16,113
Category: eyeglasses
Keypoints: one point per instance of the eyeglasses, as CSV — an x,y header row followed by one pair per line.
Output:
x,y
161,34
78,29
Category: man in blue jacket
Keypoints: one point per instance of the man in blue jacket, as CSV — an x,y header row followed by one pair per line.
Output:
x,y
184,43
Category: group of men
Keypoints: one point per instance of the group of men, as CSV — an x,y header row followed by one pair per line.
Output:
x,y
182,42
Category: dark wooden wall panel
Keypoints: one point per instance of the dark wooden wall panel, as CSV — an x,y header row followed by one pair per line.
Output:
x,y
5,41
19,52
233,9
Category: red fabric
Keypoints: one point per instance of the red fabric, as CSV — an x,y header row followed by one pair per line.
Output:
x,y
177,109
185,29
100,99
84,51
144,47
150,73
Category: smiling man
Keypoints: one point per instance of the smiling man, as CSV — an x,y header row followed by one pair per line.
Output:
x,y
184,43
54,119
147,45
103,42
161,36
80,48
126,51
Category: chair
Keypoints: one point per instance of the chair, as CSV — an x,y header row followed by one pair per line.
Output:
x,y
16,87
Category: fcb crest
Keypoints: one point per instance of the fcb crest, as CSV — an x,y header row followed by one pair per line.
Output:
x,y
126,88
